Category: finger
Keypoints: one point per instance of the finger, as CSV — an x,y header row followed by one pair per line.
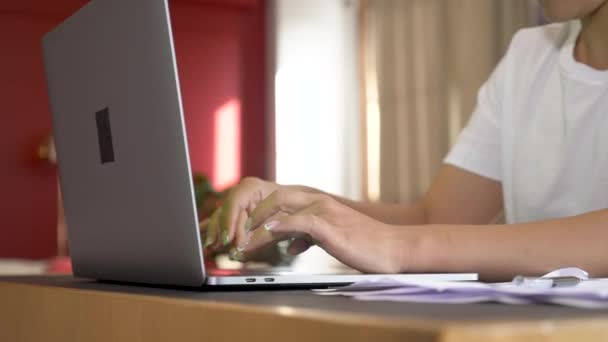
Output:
x,y
305,222
258,239
238,199
212,229
299,245
240,235
286,199
202,229
202,226
262,241
227,217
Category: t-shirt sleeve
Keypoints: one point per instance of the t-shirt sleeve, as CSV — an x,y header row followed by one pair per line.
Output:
x,y
478,148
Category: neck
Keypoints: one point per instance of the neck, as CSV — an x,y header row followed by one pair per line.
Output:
x,y
592,44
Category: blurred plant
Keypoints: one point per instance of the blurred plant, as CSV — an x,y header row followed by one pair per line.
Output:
x,y
207,199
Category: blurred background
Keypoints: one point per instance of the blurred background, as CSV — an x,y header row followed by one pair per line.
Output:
x,y
360,98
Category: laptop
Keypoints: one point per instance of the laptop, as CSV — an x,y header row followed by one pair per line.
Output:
x,y
123,157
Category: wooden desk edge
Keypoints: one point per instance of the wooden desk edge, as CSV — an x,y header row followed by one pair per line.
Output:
x,y
31,312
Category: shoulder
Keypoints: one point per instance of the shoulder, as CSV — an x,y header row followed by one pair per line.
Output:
x,y
548,36
533,50
533,54
537,43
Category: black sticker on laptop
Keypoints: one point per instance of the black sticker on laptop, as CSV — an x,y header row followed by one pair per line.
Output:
x,y
104,135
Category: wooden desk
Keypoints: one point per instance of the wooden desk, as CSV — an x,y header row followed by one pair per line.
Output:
x,y
67,309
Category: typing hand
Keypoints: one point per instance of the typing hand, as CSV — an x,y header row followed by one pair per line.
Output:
x,y
228,224
308,218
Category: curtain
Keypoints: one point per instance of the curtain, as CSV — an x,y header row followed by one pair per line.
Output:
x,y
422,64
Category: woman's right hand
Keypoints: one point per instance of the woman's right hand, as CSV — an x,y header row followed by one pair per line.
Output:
x,y
230,222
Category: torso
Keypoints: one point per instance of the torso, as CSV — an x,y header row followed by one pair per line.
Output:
x,y
555,129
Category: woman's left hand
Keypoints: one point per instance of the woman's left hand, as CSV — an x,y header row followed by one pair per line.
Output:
x,y
311,218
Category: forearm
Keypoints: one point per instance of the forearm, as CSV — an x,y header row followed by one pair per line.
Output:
x,y
390,213
456,196
500,252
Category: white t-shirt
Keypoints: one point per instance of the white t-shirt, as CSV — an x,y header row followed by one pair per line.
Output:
x,y
541,128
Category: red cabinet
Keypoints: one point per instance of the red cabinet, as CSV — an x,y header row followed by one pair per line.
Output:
x,y
220,47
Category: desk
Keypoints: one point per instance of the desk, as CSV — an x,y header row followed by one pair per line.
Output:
x,y
61,308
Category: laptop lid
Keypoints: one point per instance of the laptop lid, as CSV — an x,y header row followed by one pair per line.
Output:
x,y
121,144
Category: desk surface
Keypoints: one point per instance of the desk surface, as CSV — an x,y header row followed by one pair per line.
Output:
x,y
72,309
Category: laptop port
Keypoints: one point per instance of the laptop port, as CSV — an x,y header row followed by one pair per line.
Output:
x,y
250,280
269,280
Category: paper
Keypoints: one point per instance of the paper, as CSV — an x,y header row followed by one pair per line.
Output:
x,y
588,293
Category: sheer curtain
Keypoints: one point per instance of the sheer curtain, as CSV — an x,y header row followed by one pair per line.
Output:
x,y
423,62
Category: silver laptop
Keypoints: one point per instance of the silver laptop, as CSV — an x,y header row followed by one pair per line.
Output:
x,y
123,157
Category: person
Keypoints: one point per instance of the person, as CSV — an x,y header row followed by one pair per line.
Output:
x,y
536,147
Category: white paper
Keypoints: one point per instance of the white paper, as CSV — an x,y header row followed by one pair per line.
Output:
x,y
589,293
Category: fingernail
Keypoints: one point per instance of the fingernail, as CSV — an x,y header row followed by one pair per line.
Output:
x,y
270,225
241,248
248,224
244,244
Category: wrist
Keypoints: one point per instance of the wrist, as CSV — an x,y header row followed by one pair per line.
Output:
x,y
419,248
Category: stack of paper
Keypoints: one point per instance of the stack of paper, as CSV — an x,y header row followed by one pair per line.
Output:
x,y
588,293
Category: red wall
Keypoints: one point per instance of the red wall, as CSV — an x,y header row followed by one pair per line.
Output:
x,y
220,51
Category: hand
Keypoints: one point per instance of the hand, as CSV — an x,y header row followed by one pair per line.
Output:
x,y
315,218
229,223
